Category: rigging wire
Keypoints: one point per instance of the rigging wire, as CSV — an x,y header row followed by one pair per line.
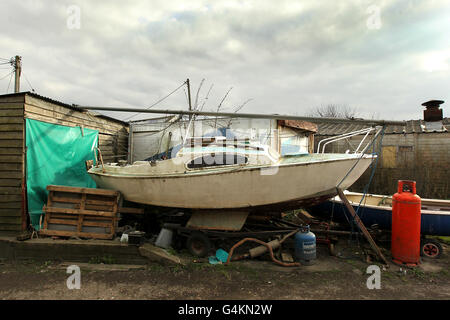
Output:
x,y
160,100
351,220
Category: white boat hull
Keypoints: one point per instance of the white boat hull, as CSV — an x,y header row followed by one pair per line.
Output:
x,y
285,185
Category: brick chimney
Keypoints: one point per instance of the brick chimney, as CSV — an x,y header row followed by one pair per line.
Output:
x,y
433,112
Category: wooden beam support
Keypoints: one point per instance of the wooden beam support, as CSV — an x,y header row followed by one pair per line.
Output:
x,y
361,226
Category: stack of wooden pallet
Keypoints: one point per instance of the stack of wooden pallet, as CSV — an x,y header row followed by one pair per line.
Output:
x,y
81,212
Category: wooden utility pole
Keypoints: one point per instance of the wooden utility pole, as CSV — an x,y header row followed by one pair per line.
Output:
x,y
189,96
17,72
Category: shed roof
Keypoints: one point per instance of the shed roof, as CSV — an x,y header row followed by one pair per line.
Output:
x,y
412,126
70,106
300,125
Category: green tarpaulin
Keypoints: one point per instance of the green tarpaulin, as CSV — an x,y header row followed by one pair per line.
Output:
x,y
56,155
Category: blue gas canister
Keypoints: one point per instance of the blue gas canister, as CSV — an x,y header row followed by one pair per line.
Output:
x,y
305,246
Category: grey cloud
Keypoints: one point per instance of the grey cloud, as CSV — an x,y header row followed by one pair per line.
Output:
x,y
132,54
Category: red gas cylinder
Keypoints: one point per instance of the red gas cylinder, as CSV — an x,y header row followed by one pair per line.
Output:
x,y
405,241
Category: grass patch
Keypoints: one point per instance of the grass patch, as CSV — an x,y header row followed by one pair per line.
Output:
x,y
177,268
418,273
446,240
108,259
156,267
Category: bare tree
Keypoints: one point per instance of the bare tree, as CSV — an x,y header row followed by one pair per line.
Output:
x,y
334,111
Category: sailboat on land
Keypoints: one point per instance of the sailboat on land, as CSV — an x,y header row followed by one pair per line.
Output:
x,y
216,173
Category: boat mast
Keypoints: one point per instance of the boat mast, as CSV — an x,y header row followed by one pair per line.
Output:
x,y
188,84
247,115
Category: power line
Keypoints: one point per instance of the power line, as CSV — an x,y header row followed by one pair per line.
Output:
x,y
29,84
157,101
7,75
10,78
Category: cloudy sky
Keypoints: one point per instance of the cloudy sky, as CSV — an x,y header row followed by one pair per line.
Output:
x,y
383,58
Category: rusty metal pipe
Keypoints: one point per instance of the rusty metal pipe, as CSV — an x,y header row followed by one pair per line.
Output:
x,y
294,264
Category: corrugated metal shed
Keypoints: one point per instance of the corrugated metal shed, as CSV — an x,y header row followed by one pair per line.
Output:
x,y
412,126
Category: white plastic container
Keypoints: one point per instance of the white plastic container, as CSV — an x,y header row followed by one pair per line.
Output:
x,y
164,239
124,238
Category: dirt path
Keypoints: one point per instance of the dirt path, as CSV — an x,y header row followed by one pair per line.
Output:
x,y
330,278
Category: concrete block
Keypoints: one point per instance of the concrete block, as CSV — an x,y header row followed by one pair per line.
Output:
x,y
160,255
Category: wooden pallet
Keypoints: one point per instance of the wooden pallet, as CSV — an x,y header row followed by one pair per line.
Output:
x,y
81,212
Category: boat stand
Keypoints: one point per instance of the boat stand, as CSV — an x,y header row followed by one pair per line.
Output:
x,y
199,241
361,226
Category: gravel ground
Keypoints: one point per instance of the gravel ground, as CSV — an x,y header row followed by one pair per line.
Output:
x,y
329,278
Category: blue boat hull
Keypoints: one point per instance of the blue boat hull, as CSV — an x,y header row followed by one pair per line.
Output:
x,y
437,224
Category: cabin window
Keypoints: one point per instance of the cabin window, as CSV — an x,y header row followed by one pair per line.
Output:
x,y
217,159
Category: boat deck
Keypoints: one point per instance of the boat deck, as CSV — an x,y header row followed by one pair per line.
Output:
x,y
315,157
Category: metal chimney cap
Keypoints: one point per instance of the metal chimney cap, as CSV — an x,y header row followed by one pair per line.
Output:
x,y
433,103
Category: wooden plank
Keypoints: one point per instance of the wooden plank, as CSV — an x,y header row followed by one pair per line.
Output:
x,y
10,175
10,220
83,201
99,208
75,234
10,158
11,227
10,198
12,135
47,217
79,211
11,112
92,191
10,190
10,212
78,114
14,98
11,151
10,166
74,217
11,105
11,120
10,127
11,205
80,223
116,204
66,199
11,143
361,225
84,223
53,112
100,202
10,182
50,118
82,207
